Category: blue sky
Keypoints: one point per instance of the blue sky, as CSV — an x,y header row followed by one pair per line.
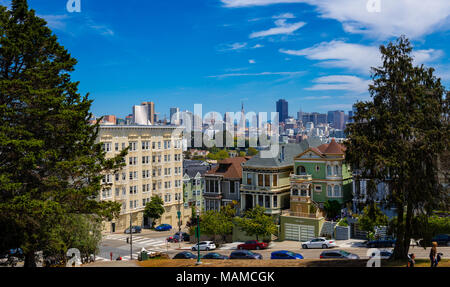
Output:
x,y
314,53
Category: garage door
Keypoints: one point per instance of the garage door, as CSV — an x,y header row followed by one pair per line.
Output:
x,y
298,232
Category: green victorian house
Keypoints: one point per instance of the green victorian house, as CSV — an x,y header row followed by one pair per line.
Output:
x,y
320,174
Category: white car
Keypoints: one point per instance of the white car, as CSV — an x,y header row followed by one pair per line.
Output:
x,y
204,245
319,242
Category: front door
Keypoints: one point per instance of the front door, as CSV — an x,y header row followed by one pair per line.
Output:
x,y
113,227
248,201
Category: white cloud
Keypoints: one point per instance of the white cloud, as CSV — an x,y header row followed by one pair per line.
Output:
x,y
257,46
57,22
281,28
251,61
355,57
413,18
248,3
284,16
234,47
341,83
258,74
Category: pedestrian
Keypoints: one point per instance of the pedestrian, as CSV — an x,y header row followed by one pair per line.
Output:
x,y
411,261
433,254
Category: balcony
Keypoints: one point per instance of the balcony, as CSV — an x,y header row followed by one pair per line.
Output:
x,y
300,178
301,199
300,214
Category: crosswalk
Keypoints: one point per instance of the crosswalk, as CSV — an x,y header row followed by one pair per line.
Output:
x,y
139,242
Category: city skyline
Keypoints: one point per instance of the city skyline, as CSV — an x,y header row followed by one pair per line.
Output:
x,y
311,53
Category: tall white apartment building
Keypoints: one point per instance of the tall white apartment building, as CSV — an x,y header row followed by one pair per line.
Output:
x,y
153,167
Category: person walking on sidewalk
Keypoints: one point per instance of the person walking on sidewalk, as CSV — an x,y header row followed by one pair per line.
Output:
x,y
433,254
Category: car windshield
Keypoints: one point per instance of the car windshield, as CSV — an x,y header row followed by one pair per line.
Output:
x,y
291,253
345,253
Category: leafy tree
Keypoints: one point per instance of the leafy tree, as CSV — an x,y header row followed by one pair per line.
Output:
x,y
371,217
397,137
332,208
242,154
252,151
51,164
154,209
256,222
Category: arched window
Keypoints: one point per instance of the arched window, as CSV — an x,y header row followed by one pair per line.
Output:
x,y
329,170
337,191
295,191
301,169
329,191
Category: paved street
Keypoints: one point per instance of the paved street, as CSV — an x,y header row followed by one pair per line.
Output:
x,y
156,241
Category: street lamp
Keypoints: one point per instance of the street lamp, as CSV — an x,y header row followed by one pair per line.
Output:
x,y
198,237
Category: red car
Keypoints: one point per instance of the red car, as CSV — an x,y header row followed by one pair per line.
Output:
x,y
252,245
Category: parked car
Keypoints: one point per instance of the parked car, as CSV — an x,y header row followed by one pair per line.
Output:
x,y
384,254
441,239
252,245
214,255
319,242
204,245
134,229
245,254
185,255
177,237
381,243
338,254
284,254
163,227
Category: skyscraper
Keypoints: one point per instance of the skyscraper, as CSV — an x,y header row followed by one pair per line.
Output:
x,y
144,114
174,116
282,110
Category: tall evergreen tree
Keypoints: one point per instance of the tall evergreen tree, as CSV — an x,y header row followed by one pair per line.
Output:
x,y
51,165
398,136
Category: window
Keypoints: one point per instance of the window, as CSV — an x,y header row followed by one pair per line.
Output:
x,y
329,191
318,188
301,169
116,146
329,170
107,147
317,168
145,145
249,178
336,170
304,192
133,146
260,180
123,146
275,180
275,201
267,201
267,180
117,192
337,191
145,159
295,192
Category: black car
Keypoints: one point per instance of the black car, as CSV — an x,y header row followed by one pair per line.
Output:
x,y
185,255
441,239
177,236
245,254
338,254
214,255
134,229
380,243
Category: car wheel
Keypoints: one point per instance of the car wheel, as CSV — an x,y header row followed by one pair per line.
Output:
x,y
304,246
207,248
324,246
193,249
240,248
257,248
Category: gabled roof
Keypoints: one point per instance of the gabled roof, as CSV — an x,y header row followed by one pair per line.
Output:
x,y
333,148
192,168
290,151
229,168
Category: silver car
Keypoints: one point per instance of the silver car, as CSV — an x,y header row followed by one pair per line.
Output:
x,y
319,242
204,245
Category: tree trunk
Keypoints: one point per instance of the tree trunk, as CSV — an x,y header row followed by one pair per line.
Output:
x,y
30,260
408,229
399,252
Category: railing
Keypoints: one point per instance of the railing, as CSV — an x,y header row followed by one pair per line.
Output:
x,y
301,177
299,214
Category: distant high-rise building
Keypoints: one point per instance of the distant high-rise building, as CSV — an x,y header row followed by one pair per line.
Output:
x,y
109,120
144,114
175,116
315,118
299,115
282,110
338,121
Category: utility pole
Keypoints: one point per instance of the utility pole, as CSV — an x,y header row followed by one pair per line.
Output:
x,y
198,237
179,223
131,238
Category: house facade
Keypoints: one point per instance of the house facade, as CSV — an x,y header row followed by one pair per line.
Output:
x,y
194,183
266,181
222,183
